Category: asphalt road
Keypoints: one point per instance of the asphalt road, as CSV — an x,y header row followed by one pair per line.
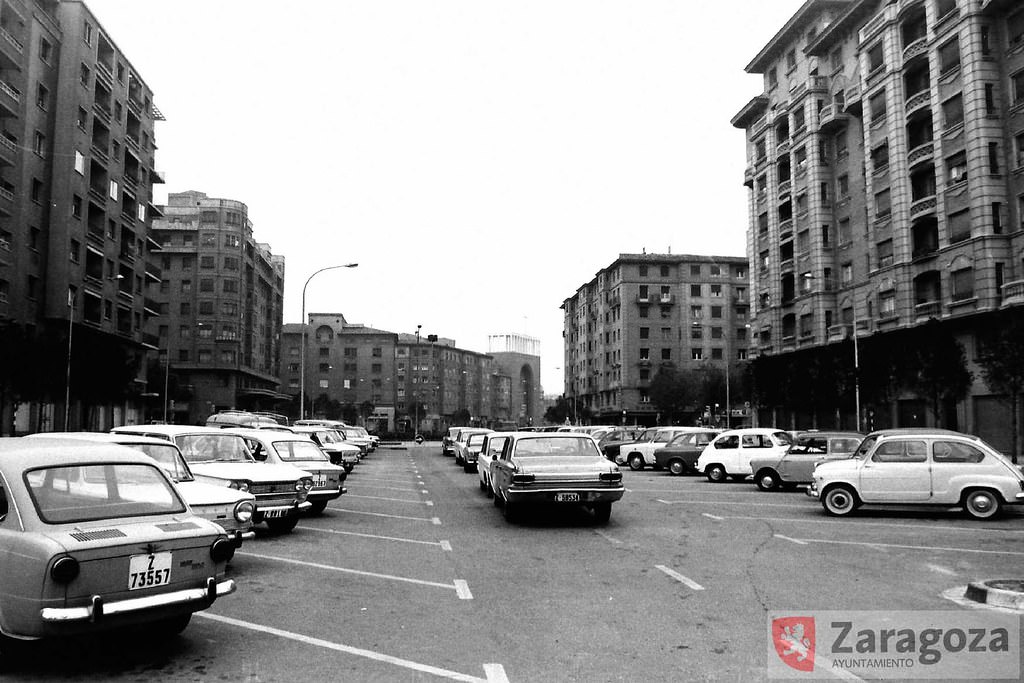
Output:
x,y
414,575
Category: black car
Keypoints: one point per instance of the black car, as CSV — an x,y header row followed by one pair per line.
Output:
x,y
680,454
611,443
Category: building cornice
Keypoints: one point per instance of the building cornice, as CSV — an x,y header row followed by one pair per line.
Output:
x,y
785,35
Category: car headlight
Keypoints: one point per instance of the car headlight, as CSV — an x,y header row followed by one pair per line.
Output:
x,y
241,485
304,484
244,510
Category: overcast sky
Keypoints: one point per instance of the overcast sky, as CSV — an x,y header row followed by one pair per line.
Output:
x,y
480,160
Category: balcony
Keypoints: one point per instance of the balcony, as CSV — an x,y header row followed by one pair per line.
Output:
x,y
830,118
785,230
928,309
817,84
920,154
641,299
748,176
782,147
839,332
151,306
11,48
645,362
102,111
922,207
785,187
852,102
916,48
904,5
1013,293
917,101
6,201
153,272
8,151
10,98
666,299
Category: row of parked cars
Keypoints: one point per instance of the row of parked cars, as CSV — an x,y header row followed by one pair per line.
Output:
x,y
135,527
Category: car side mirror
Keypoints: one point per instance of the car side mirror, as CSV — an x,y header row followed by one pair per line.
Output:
x,y
260,455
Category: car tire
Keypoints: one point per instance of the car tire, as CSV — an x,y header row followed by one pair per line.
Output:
x,y
715,474
676,467
602,512
318,507
982,503
839,501
469,467
511,512
497,500
282,525
767,480
636,462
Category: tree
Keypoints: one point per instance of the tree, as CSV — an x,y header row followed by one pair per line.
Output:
x,y
461,417
560,412
670,393
366,409
1001,356
936,367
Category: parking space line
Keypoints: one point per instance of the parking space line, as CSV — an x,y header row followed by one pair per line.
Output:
x,y
343,570
912,547
495,673
853,523
753,492
436,521
370,480
382,538
792,540
680,578
941,570
390,500
729,502
462,590
446,545
606,537
711,516
387,488
347,649
381,514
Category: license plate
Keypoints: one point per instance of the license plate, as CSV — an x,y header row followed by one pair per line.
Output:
x,y
273,514
567,497
320,481
147,571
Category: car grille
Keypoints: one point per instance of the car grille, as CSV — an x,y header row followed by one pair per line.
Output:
x,y
276,487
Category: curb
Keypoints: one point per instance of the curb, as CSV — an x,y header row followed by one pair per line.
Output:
x,y
1008,593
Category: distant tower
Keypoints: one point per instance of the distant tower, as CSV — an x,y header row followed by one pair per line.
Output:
x,y
518,356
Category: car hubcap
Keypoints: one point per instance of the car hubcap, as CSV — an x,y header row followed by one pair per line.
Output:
x,y
767,482
981,503
839,501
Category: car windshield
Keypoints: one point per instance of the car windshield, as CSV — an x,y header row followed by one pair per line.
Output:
x,y
200,448
168,457
476,440
567,446
299,450
865,447
86,493
327,436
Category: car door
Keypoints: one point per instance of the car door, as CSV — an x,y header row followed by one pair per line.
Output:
x,y
798,462
897,471
952,463
751,446
502,468
726,452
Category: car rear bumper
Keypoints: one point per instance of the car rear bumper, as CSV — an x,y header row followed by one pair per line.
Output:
x,y
98,609
552,495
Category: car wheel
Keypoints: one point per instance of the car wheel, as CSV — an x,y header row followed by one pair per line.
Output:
x,y
839,501
511,511
676,467
767,480
715,473
171,626
497,500
318,507
282,525
636,462
349,467
602,512
982,503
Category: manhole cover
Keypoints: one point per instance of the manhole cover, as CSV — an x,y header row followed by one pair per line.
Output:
x,y
1016,585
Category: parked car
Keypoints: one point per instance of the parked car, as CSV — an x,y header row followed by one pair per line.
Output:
x,y
229,508
796,465
357,436
729,454
493,446
615,434
299,451
460,443
340,452
95,536
241,418
470,453
554,469
641,453
920,467
680,454
219,457
611,448
448,440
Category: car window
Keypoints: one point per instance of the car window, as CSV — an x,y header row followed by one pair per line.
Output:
x,y
809,445
299,450
167,457
901,451
756,441
213,448
783,438
573,446
496,446
842,446
954,451
732,441
476,439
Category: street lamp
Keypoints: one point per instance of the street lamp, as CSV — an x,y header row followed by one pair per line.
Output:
x,y
302,347
416,389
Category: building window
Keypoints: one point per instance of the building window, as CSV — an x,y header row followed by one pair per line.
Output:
x,y
42,96
696,354
645,332
83,76
953,111
186,286
846,274
993,158
695,271
76,206
883,204
666,354
39,144
878,109
843,186
887,305
1019,144
716,311
644,311
695,290
959,225
205,308
643,271
956,168
232,240
963,284
324,383
79,163
885,256
664,271
645,354
790,60
716,290
113,190
949,56
206,285
880,157
876,57
773,79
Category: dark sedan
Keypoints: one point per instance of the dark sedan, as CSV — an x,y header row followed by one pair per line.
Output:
x,y
613,442
680,454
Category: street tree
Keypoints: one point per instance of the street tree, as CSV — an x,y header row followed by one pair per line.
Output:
x,y
1001,356
670,393
935,367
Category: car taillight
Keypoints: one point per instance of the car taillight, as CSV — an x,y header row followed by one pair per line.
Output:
x,y
221,550
611,476
64,570
522,478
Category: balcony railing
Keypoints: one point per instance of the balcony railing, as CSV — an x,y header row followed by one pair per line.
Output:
x,y
928,309
918,101
922,207
1013,292
916,48
920,153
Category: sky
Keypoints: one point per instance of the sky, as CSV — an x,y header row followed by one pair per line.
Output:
x,y
480,160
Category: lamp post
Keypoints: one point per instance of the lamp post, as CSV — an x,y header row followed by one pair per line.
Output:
x,y
302,347
167,376
416,389
67,378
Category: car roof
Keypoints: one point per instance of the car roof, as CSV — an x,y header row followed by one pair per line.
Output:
x,y
104,437
920,431
830,435
168,430
17,453
268,434
755,430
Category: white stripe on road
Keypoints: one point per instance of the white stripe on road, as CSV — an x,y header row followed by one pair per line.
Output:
x,y
317,565
386,488
727,502
495,673
791,540
711,516
436,521
462,590
429,503
359,652
680,578
941,570
852,522
606,537
424,491
382,538
446,545
914,547
385,480
391,500
381,514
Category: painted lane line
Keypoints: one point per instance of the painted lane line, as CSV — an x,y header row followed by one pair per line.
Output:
x,y
711,516
881,546
381,514
728,502
436,521
495,673
386,482
853,523
429,503
752,493
446,545
462,590
424,491
791,540
382,538
680,578
343,570
338,647
941,570
391,500
384,488
608,538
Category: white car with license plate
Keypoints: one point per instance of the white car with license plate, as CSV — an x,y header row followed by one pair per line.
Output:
x,y
730,453
920,467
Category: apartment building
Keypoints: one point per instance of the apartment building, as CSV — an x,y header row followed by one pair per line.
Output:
x,y
221,301
885,158
647,311
77,168
517,361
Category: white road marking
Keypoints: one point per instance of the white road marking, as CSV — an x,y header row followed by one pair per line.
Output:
x,y
915,547
853,523
941,570
462,590
385,480
792,540
391,500
359,652
381,514
606,537
424,491
343,570
495,673
382,538
711,516
429,503
728,502
436,521
446,545
680,578
385,488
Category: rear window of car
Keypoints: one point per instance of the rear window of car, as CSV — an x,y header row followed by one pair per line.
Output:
x,y
213,448
567,446
809,445
299,450
844,445
957,452
86,493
